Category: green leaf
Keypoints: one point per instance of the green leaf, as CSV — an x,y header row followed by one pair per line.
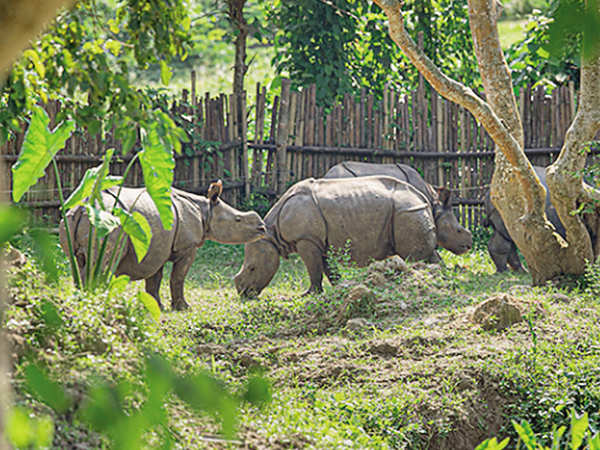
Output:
x,y
39,147
86,186
557,435
129,139
165,73
46,390
492,444
24,431
35,59
203,393
46,253
137,228
150,303
12,220
157,167
526,434
103,221
595,442
113,46
118,284
579,428
258,391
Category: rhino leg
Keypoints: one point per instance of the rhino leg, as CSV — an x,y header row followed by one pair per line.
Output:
x,y
435,258
514,261
313,260
499,249
153,286
181,267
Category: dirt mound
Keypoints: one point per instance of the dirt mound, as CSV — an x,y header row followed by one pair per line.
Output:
x,y
359,301
502,311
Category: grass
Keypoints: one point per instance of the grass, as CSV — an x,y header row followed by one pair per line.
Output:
x,y
417,374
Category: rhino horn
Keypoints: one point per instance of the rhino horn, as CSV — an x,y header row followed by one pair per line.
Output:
x,y
214,191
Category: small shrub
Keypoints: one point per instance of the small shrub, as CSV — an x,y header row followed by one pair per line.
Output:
x,y
259,202
481,236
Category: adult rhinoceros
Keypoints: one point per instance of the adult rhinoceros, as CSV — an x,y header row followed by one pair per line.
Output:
x,y
450,234
380,217
196,219
501,247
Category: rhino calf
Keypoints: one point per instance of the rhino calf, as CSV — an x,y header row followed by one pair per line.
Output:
x,y
196,219
450,234
380,216
501,247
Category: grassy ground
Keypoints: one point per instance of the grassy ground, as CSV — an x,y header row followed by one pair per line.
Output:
x,y
412,370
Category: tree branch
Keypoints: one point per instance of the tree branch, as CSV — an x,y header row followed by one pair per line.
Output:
x,y
498,129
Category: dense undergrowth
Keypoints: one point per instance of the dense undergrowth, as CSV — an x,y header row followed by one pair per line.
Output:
x,y
402,367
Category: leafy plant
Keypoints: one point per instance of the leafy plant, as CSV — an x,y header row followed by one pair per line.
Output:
x,y
38,151
580,430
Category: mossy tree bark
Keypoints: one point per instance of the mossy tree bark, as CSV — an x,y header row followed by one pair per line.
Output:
x,y
515,189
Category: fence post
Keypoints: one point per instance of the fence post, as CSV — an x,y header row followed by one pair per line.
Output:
x,y
282,136
244,137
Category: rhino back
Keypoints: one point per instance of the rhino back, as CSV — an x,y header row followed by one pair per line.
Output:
x,y
402,172
365,211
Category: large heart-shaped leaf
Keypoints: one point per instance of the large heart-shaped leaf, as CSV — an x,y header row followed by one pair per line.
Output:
x,y
39,147
137,228
103,221
150,304
86,186
118,284
157,167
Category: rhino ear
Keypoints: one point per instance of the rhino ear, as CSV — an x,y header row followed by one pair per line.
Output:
x,y
445,196
214,191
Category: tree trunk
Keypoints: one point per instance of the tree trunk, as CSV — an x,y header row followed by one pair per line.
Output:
x,y
515,189
565,182
235,11
4,360
20,21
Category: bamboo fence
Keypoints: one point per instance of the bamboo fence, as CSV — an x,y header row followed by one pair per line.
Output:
x,y
288,137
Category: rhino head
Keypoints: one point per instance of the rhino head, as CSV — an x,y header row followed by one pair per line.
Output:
x,y
451,235
261,261
228,225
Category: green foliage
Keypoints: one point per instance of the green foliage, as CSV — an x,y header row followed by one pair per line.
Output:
x,y
481,237
85,61
126,408
520,8
158,167
575,18
258,202
12,220
555,40
39,147
580,429
591,278
150,303
531,63
344,45
23,430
